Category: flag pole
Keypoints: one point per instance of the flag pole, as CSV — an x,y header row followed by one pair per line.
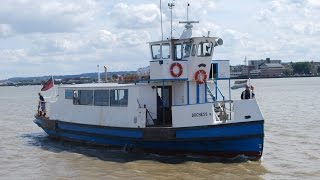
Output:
x,y
54,87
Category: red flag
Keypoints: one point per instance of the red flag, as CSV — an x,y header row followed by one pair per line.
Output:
x,y
47,85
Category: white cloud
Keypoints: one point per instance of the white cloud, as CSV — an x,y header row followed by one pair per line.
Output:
x,y
197,9
292,27
295,15
135,16
132,38
5,30
9,56
29,16
315,3
74,36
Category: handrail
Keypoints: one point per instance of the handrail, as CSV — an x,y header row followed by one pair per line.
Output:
x,y
223,109
147,111
223,98
210,93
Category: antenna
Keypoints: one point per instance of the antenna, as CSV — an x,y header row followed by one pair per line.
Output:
x,y
187,33
161,21
98,73
188,11
171,5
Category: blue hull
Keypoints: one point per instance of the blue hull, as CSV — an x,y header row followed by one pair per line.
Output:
x,y
225,140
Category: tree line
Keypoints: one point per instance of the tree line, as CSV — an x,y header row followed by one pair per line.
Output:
x,y
301,68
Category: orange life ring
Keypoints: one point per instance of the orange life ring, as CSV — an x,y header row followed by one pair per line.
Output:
x,y
201,73
173,65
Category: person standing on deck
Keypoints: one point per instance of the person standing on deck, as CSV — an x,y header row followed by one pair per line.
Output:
x,y
42,105
75,97
248,93
252,91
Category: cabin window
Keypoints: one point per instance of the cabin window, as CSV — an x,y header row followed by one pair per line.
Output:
x,y
101,97
68,94
155,48
186,49
85,97
178,51
204,49
194,49
165,51
119,97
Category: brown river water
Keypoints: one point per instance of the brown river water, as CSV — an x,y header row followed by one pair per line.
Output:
x,y
291,108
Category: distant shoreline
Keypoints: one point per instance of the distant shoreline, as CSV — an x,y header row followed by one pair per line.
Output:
x,y
262,77
241,77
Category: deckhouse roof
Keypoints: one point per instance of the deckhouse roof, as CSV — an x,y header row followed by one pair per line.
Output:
x,y
169,40
97,85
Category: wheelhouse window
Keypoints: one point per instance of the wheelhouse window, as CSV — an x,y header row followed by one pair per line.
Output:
x,y
194,49
178,51
165,51
155,49
85,97
119,97
186,50
101,98
204,49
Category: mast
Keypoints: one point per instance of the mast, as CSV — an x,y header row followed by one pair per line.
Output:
x,y
171,5
161,21
98,73
188,11
105,74
187,33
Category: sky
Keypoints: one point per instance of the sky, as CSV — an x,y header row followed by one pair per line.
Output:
x,y
60,37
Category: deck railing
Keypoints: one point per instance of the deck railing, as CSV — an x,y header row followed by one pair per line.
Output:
x,y
220,107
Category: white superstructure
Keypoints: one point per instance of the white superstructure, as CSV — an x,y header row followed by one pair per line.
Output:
x,y
181,91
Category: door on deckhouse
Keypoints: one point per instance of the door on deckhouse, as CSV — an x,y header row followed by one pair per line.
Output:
x,y
164,103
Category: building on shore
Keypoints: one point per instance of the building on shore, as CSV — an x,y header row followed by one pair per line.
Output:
x,y
255,73
257,63
271,70
258,68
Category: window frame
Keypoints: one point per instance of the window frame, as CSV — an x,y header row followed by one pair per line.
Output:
x,y
194,49
68,94
80,91
169,54
175,52
152,51
118,100
201,46
184,45
108,97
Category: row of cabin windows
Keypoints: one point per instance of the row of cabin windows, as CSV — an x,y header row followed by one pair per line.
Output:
x,y
115,97
181,50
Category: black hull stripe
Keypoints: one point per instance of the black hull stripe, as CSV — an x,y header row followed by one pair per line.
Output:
x,y
175,140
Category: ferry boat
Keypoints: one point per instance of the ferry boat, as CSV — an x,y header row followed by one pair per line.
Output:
x,y
176,107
